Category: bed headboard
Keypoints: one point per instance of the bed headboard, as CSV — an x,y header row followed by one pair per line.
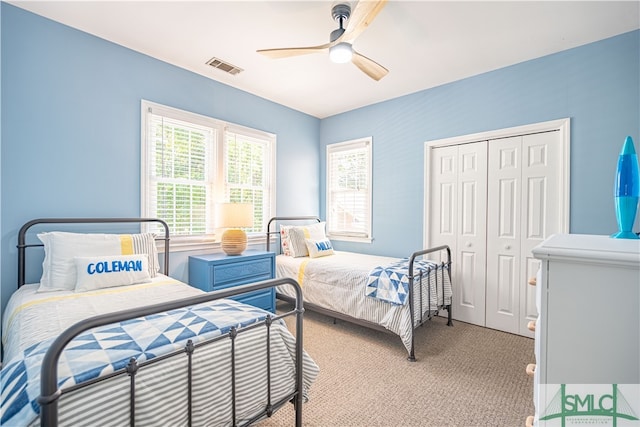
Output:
x,y
22,234
280,219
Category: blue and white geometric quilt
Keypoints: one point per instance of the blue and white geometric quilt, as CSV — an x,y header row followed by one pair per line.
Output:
x,y
391,283
108,348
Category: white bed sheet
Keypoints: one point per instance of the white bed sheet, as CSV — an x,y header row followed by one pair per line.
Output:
x,y
338,282
31,317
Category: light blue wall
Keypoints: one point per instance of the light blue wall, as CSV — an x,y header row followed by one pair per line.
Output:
x,y
596,85
71,129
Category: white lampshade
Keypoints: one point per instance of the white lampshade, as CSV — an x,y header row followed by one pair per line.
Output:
x,y
233,216
341,53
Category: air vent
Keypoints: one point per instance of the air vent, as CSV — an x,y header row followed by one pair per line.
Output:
x,y
224,66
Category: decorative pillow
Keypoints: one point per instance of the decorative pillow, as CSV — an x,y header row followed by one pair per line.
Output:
x,y
109,271
144,243
60,249
285,241
298,247
298,235
318,248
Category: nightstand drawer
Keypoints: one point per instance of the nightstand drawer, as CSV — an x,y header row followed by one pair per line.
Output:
x,y
217,271
260,299
228,275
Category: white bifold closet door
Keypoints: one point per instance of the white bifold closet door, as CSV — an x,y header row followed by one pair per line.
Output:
x,y
492,201
458,219
522,184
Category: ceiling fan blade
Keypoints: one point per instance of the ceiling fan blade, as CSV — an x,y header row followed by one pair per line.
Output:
x,y
293,51
369,66
361,17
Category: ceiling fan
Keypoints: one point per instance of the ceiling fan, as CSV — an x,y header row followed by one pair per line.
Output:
x,y
340,41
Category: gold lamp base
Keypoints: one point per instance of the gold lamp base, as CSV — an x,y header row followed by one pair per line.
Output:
x,y
234,241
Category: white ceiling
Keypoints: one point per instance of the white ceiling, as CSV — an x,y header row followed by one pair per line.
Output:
x,y
423,43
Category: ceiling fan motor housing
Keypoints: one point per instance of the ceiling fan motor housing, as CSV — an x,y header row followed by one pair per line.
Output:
x,y
340,14
341,11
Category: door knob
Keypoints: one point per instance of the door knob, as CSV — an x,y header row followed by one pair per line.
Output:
x,y
507,247
468,244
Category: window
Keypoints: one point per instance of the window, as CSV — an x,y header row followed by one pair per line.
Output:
x,y
349,190
190,162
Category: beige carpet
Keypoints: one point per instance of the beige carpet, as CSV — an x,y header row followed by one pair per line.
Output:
x,y
465,375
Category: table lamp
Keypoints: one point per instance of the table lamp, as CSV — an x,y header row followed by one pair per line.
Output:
x,y
232,216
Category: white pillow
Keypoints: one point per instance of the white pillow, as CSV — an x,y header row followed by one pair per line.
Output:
x,y
109,271
318,248
60,249
298,235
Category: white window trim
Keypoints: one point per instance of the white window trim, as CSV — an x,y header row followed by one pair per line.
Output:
x,y
343,146
204,242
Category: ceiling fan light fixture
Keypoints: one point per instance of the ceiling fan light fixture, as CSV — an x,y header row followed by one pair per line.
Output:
x,y
341,53
340,40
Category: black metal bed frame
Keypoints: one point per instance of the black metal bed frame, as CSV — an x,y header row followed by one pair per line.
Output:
x,y
50,393
22,236
442,267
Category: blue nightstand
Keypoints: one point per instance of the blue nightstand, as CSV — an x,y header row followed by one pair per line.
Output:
x,y
220,271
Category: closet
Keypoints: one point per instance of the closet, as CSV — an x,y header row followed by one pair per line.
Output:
x,y
493,197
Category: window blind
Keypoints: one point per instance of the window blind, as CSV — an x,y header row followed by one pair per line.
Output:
x,y
246,173
349,189
178,178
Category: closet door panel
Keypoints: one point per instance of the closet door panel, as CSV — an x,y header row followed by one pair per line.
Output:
x,y
471,240
443,198
468,293
507,194
506,303
504,186
541,179
458,219
468,256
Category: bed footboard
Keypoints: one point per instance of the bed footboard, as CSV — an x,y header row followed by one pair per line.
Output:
x,y
50,393
419,301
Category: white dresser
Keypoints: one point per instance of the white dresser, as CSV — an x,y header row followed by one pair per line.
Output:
x,y
588,331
